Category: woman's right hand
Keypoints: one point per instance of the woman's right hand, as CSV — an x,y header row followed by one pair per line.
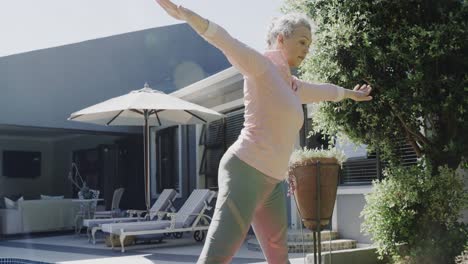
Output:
x,y
177,12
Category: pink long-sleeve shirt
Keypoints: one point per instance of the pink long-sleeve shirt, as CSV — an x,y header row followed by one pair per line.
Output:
x,y
273,101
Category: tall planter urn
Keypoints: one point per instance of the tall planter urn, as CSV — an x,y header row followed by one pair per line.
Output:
x,y
313,179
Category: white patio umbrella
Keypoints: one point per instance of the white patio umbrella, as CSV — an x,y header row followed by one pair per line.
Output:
x,y
142,108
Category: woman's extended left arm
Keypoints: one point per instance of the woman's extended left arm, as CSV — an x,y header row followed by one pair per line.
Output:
x,y
315,92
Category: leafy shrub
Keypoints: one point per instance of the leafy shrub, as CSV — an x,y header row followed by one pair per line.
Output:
x,y
413,215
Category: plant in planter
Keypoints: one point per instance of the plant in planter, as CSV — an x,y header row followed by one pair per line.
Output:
x,y
304,166
84,191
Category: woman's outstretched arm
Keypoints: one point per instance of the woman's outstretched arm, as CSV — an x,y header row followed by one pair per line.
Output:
x,y
247,60
315,92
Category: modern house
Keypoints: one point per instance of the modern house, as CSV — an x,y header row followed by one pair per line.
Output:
x,y
40,89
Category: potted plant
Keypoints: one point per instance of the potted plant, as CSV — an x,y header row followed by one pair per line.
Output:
x,y
303,168
84,191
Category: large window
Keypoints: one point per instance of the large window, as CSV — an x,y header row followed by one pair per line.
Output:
x,y
167,160
359,170
363,170
217,137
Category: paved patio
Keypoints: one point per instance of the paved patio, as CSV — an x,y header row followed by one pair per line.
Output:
x,y
70,249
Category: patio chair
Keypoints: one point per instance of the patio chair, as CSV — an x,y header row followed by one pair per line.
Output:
x,y
190,218
161,206
117,196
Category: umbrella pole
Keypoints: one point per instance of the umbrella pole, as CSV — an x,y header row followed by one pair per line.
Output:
x,y
147,168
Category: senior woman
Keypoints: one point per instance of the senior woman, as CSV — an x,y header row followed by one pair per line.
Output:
x,y
253,168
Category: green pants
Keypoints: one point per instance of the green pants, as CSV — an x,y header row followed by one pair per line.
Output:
x,y
246,196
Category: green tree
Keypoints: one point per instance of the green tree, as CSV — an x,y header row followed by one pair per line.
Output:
x,y
413,53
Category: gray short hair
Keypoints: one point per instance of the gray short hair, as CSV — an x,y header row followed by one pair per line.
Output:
x,y
286,25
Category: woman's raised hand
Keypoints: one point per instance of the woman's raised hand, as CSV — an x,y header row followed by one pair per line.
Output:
x,y
177,12
361,93
181,13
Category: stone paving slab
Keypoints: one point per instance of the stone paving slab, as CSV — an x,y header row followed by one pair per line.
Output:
x,y
71,249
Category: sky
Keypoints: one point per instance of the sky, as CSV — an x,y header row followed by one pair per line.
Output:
x,y
27,25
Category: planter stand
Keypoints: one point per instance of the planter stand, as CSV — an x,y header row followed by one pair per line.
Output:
x,y
317,233
316,228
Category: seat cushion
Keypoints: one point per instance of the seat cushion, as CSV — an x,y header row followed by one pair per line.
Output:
x,y
136,226
12,204
97,222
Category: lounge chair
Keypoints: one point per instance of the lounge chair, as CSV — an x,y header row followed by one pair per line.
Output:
x,y
163,204
190,218
116,197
